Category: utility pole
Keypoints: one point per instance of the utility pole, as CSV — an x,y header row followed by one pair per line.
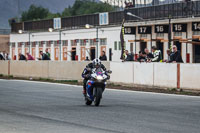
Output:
x,y
18,10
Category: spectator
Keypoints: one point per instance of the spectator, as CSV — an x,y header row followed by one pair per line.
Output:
x,y
44,56
103,56
7,56
4,55
87,58
169,53
1,57
176,55
142,57
129,56
149,55
22,57
157,57
29,56
47,53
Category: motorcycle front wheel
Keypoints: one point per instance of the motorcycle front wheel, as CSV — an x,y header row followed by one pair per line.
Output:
x,y
88,102
98,96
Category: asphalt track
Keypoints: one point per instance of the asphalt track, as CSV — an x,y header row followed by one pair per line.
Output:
x,y
34,107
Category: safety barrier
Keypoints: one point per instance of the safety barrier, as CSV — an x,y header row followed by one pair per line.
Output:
x,y
168,75
150,74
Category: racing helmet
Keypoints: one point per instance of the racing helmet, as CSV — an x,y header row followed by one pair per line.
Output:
x,y
96,62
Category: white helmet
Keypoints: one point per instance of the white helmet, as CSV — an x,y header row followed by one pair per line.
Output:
x,y
96,62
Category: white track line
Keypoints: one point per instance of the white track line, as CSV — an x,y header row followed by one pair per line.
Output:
x,y
78,86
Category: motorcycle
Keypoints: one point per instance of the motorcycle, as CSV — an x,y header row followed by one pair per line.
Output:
x,y
96,86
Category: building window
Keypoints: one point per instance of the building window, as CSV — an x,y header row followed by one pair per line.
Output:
x,y
82,42
56,43
40,44
48,43
196,32
143,35
120,47
177,33
160,35
103,41
124,44
115,45
73,42
20,44
65,42
92,43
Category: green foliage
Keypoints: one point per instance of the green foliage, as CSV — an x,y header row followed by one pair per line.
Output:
x,y
35,13
80,7
10,76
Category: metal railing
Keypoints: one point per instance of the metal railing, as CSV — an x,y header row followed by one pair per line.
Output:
x,y
5,31
174,10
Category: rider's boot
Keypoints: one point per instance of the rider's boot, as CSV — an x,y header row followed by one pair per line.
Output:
x,y
84,92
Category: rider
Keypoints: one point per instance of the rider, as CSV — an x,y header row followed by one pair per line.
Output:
x,y
96,63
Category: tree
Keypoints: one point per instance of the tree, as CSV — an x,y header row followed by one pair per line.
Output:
x,y
82,7
35,13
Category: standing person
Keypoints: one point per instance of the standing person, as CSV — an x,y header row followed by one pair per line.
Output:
x,y
4,55
103,56
29,56
169,54
22,57
7,56
157,57
1,57
149,55
47,53
44,56
129,56
176,55
87,58
142,57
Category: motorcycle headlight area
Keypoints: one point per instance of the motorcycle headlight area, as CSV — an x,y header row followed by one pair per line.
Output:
x,y
99,77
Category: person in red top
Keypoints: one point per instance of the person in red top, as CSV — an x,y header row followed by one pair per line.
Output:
x,y
29,57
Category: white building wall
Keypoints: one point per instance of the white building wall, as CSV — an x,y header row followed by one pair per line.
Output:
x,y
190,46
112,34
16,50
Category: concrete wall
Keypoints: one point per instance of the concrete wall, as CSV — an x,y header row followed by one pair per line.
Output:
x,y
150,74
190,76
68,70
29,68
49,69
122,72
4,67
165,75
143,73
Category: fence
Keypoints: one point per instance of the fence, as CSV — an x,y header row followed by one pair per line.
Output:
x,y
175,10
